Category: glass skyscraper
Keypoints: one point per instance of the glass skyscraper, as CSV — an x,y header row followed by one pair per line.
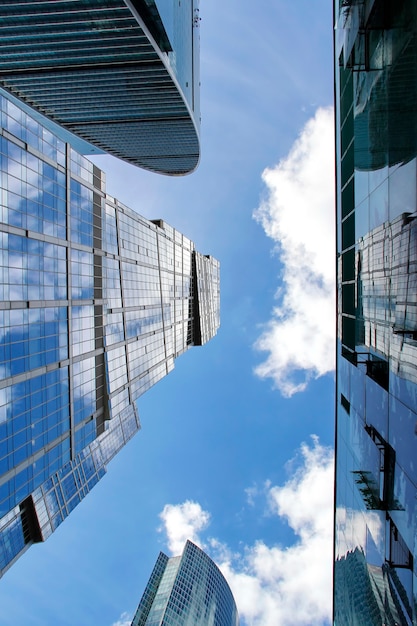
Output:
x,y
186,590
96,304
375,579
123,75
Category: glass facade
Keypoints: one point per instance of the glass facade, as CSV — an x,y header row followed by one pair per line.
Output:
x,y
376,432
123,76
186,590
97,302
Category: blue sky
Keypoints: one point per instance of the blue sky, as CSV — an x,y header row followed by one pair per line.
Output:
x,y
226,455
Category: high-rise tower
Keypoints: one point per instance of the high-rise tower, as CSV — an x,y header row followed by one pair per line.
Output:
x,y
123,75
186,589
376,438
96,304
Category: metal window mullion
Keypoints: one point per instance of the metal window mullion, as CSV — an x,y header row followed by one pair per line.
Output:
x,y
69,297
120,261
161,295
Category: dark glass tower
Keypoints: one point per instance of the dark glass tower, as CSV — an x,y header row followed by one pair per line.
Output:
x,y
123,75
186,590
376,440
96,304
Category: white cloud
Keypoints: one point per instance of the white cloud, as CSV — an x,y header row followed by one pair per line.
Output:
x,y
286,585
182,522
251,494
302,500
354,527
298,214
124,620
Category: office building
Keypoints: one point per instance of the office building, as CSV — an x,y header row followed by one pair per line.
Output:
x,y
186,590
96,304
376,430
123,75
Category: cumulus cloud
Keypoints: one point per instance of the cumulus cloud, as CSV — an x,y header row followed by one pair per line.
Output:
x,y
302,501
286,585
298,215
124,620
183,521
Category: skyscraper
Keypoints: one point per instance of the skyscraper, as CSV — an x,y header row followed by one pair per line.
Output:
x,y
376,430
123,75
96,304
186,590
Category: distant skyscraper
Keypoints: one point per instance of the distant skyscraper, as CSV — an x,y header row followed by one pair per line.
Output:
x,y
123,75
96,303
186,590
376,440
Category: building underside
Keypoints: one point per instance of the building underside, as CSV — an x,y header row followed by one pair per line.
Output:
x,y
113,73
